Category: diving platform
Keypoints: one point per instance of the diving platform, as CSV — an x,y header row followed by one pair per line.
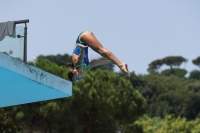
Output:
x,y
21,83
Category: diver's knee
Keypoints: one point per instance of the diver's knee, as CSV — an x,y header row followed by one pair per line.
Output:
x,y
86,33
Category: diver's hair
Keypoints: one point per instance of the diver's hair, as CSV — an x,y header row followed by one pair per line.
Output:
x,y
70,74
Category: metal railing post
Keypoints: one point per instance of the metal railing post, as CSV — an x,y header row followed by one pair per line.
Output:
x,y
25,43
25,36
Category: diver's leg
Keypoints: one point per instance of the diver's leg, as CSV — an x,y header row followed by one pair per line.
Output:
x,y
93,43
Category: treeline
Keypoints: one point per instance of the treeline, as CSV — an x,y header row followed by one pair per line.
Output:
x,y
174,63
106,101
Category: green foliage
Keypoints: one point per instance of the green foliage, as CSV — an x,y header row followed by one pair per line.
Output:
x,y
193,99
135,80
104,101
7,125
57,59
174,61
169,124
52,67
155,65
101,102
196,61
107,98
168,94
171,61
176,71
195,74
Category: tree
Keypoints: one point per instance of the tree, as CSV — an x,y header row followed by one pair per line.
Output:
x,y
51,67
196,61
195,74
57,59
176,71
174,61
101,102
166,95
192,111
134,79
169,124
7,124
108,93
155,65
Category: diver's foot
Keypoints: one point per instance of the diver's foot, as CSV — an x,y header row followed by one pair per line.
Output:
x,y
124,68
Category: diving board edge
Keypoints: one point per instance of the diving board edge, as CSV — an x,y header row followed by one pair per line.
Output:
x,y
35,74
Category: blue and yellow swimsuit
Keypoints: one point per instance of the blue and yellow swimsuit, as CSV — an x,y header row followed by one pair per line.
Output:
x,y
77,51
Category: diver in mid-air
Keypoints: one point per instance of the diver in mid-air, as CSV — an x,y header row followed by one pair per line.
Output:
x,y
80,61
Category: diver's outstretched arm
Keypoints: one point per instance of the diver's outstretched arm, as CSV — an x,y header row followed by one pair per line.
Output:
x,y
81,45
95,63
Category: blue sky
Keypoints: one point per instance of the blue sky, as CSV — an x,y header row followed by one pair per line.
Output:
x,y
137,32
